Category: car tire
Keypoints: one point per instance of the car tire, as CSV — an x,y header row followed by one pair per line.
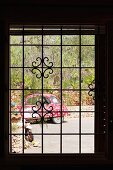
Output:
x,y
57,120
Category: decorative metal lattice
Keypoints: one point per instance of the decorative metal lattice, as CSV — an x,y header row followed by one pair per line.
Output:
x,y
40,111
46,67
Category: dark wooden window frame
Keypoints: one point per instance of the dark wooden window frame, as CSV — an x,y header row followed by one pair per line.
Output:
x,y
105,85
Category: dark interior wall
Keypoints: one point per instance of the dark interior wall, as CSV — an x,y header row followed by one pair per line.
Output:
x,y
53,11
78,11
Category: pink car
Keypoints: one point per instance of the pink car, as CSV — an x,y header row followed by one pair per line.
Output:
x,y
50,108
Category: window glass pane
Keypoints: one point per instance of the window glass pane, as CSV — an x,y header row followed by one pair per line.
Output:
x,y
53,80
70,78
87,76
52,56
71,99
32,56
16,143
87,122
87,144
87,56
51,40
70,144
16,56
70,39
87,102
51,143
70,56
14,39
30,78
71,123
15,117
88,39
35,146
33,39
52,89
16,78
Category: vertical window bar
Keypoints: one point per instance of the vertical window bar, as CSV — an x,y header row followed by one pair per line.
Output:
x,y
80,89
42,91
95,94
61,98
10,97
23,90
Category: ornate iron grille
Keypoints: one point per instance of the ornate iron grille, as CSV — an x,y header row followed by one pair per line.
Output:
x,y
52,75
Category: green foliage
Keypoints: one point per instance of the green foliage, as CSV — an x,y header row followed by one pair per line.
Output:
x,y
70,58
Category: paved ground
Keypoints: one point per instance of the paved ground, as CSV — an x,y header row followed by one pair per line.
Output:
x,y
70,138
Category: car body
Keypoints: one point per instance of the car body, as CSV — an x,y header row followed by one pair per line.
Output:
x,y
35,110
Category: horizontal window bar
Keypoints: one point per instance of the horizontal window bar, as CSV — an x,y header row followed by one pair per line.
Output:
x,y
51,89
54,67
58,134
51,32
50,45
56,29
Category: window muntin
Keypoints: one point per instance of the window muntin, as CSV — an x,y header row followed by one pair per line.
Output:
x,y
62,71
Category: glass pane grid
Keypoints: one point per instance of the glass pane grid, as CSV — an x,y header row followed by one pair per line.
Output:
x,y
51,80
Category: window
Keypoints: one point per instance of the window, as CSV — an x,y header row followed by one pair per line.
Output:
x,y
53,76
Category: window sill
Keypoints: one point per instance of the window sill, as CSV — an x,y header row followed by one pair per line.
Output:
x,y
53,159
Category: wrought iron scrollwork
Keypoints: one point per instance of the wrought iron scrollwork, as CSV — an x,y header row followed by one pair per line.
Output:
x,y
40,109
47,67
49,110
91,91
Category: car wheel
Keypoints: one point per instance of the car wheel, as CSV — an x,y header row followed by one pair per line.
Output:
x,y
57,120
